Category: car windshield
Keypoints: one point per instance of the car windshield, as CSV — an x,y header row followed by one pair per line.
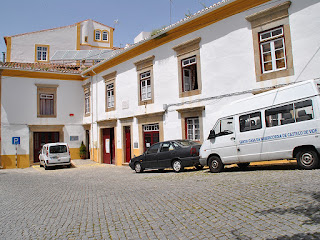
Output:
x,y
58,149
186,142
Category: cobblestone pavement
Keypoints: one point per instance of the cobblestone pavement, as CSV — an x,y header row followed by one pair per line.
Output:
x,y
106,202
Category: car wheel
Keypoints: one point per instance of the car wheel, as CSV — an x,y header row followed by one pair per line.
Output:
x,y
177,166
307,159
138,168
199,167
215,164
243,165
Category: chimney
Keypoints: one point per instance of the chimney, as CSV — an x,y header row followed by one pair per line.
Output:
x,y
3,56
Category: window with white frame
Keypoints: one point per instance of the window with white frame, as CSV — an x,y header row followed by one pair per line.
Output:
x,y
272,44
110,95
193,128
104,36
42,53
87,103
145,85
272,47
97,35
189,74
151,127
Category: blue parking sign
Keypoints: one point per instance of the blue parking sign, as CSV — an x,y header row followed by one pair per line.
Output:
x,y
15,140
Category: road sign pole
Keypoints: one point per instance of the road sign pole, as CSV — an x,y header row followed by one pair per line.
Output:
x,y
16,155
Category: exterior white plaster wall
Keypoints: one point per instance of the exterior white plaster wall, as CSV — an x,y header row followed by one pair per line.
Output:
x,y
19,110
23,46
304,25
227,67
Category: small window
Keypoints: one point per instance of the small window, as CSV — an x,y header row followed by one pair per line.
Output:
x,y
110,95
151,127
189,74
42,53
193,128
87,103
104,36
224,127
250,122
145,85
46,101
86,39
97,35
154,148
46,104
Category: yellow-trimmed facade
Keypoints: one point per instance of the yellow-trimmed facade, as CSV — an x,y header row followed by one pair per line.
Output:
x,y
123,71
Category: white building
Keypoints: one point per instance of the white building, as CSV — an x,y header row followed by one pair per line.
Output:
x,y
172,84
39,46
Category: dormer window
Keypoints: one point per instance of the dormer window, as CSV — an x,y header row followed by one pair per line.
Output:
x,y
42,53
105,36
97,35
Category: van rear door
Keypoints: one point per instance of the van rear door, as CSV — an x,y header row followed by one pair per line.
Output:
x,y
59,153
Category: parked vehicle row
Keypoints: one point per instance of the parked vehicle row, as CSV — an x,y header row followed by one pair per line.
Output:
x,y
279,124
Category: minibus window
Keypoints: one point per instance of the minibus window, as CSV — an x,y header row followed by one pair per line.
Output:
x,y
303,110
290,113
279,115
224,127
250,122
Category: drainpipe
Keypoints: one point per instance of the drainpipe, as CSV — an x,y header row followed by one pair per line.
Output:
x,y
91,79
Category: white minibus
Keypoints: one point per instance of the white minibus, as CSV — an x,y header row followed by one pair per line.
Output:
x,y
279,124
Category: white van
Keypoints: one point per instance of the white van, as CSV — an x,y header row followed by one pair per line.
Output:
x,y
55,154
279,124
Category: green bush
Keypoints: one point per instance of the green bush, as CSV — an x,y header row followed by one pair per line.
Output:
x,y
83,150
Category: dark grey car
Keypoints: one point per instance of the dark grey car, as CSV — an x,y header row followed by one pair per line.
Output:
x,y
176,154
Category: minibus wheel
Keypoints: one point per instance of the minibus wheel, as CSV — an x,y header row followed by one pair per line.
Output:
x,y
307,159
215,164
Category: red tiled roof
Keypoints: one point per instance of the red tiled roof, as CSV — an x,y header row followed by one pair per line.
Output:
x,y
44,67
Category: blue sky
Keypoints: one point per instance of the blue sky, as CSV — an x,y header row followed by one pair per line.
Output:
x,y
134,16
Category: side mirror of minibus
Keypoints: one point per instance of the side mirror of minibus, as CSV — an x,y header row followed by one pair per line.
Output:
x,y
212,134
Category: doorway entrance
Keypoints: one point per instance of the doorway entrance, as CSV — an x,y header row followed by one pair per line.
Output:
x,y
108,145
88,144
41,138
127,141
150,135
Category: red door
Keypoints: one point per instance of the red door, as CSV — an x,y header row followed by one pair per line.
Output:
x,y
108,145
128,143
150,138
41,138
